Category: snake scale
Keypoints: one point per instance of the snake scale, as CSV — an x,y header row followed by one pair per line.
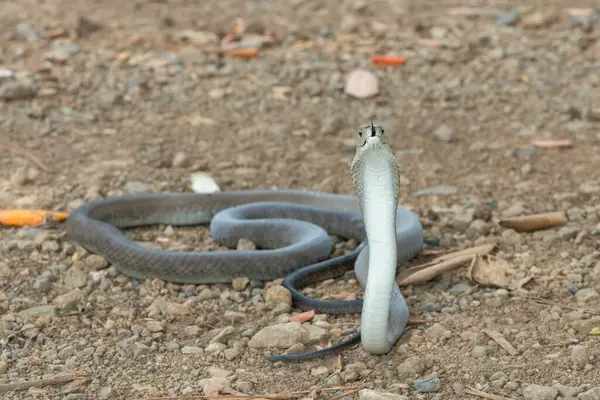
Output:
x,y
291,229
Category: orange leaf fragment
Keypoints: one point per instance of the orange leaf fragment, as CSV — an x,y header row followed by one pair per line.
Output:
x,y
28,217
551,144
303,317
388,60
241,53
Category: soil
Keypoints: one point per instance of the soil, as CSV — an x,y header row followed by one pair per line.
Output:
x,y
105,98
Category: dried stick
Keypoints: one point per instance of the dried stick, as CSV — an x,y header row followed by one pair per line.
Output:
x,y
21,152
276,396
479,393
429,273
40,383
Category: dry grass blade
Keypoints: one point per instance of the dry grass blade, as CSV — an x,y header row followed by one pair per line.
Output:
x,y
24,153
535,222
479,393
275,396
39,383
433,271
502,342
546,302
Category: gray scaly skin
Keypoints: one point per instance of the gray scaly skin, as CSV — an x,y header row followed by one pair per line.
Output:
x,y
290,227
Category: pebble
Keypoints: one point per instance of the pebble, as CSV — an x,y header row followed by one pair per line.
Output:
x,y
585,295
105,393
280,336
239,284
538,392
509,18
137,187
192,330
592,394
319,372
568,391
277,294
585,325
12,91
368,394
410,368
361,84
231,354
580,355
75,278
224,335
428,384
140,349
441,190
192,350
180,160
3,367
70,300
479,351
443,133
437,332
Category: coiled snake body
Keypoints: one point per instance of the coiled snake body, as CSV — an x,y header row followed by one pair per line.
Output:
x,y
290,227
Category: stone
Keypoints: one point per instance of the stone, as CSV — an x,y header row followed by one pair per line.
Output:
x,y
428,384
368,394
105,393
280,336
592,394
277,294
437,332
70,300
410,368
443,133
538,392
579,355
587,294
224,335
361,84
180,160
75,278
585,325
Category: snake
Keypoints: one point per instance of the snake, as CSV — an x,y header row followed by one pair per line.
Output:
x,y
293,231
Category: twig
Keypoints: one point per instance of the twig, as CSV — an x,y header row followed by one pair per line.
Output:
x,y
435,270
40,383
276,396
22,152
479,393
501,340
554,303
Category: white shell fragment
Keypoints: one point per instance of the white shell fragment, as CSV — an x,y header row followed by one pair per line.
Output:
x,y
203,183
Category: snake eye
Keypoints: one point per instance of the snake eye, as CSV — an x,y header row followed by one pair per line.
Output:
x,y
359,133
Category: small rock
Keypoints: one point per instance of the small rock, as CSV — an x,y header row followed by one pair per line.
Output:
x,y
43,283
239,284
105,393
584,295
245,244
444,133
192,330
180,160
320,372
567,232
585,325
592,394
12,91
215,348
137,187
191,350
568,391
154,326
538,392
437,333
231,354
508,19
361,84
277,294
96,262
206,294
69,300
334,380
411,367
479,351
461,222
41,311
280,336
368,394
580,355
428,384
172,346
140,349
75,278
217,372
224,335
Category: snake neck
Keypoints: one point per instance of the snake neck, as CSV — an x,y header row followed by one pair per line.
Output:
x,y
375,175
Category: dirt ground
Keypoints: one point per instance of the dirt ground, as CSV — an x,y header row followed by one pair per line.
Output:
x,y
101,98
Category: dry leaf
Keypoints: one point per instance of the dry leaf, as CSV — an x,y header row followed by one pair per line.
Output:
x,y
535,222
433,271
203,183
492,273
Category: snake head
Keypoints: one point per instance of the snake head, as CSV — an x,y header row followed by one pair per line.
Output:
x,y
372,134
